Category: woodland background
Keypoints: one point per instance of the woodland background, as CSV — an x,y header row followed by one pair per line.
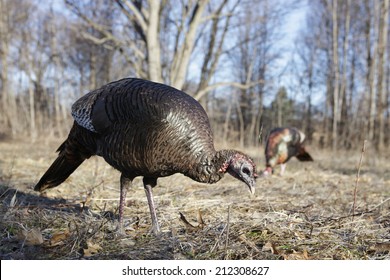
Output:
x,y
229,54
320,65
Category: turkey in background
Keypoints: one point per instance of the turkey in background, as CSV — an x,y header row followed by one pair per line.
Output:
x,y
282,144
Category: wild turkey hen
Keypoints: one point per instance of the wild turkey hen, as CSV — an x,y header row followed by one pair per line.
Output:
x,y
284,143
147,129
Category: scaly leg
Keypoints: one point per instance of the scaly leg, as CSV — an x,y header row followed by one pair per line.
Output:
x,y
268,171
125,186
282,169
149,184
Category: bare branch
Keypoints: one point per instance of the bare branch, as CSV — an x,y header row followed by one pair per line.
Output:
x,y
182,57
137,13
209,88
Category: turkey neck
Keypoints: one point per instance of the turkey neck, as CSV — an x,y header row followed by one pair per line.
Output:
x,y
212,167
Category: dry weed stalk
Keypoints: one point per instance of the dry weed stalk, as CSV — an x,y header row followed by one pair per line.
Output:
x,y
219,240
358,178
227,230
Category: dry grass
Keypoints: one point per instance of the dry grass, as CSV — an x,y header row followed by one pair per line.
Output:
x,y
306,214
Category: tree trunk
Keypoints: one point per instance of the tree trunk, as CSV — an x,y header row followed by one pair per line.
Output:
x,y
279,112
92,69
241,123
336,75
153,43
381,82
342,98
226,123
182,57
33,129
4,51
371,62
58,67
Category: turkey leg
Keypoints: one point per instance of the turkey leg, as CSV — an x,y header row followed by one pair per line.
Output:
x,y
282,169
125,186
149,184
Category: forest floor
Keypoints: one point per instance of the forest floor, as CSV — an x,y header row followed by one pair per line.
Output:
x,y
305,214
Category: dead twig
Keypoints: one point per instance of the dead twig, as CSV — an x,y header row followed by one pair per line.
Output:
x,y
219,240
187,224
358,178
201,223
227,230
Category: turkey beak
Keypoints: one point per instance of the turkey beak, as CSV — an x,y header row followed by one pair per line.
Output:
x,y
252,189
251,184
250,180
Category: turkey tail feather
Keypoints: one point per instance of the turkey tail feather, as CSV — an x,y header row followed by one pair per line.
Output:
x,y
58,172
79,146
304,156
72,153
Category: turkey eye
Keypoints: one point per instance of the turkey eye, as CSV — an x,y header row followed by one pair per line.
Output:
x,y
246,171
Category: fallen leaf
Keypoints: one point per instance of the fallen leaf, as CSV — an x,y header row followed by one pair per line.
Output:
x,y
269,246
59,237
188,225
380,247
296,255
92,249
31,237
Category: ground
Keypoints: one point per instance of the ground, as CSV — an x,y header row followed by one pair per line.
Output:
x,y
307,213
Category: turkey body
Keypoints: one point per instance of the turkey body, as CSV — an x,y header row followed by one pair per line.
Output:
x,y
147,129
142,128
283,143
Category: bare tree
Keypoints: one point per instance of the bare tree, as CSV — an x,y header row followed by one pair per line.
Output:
x,y
160,38
256,53
336,75
371,61
220,25
4,53
308,75
8,23
381,70
145,21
